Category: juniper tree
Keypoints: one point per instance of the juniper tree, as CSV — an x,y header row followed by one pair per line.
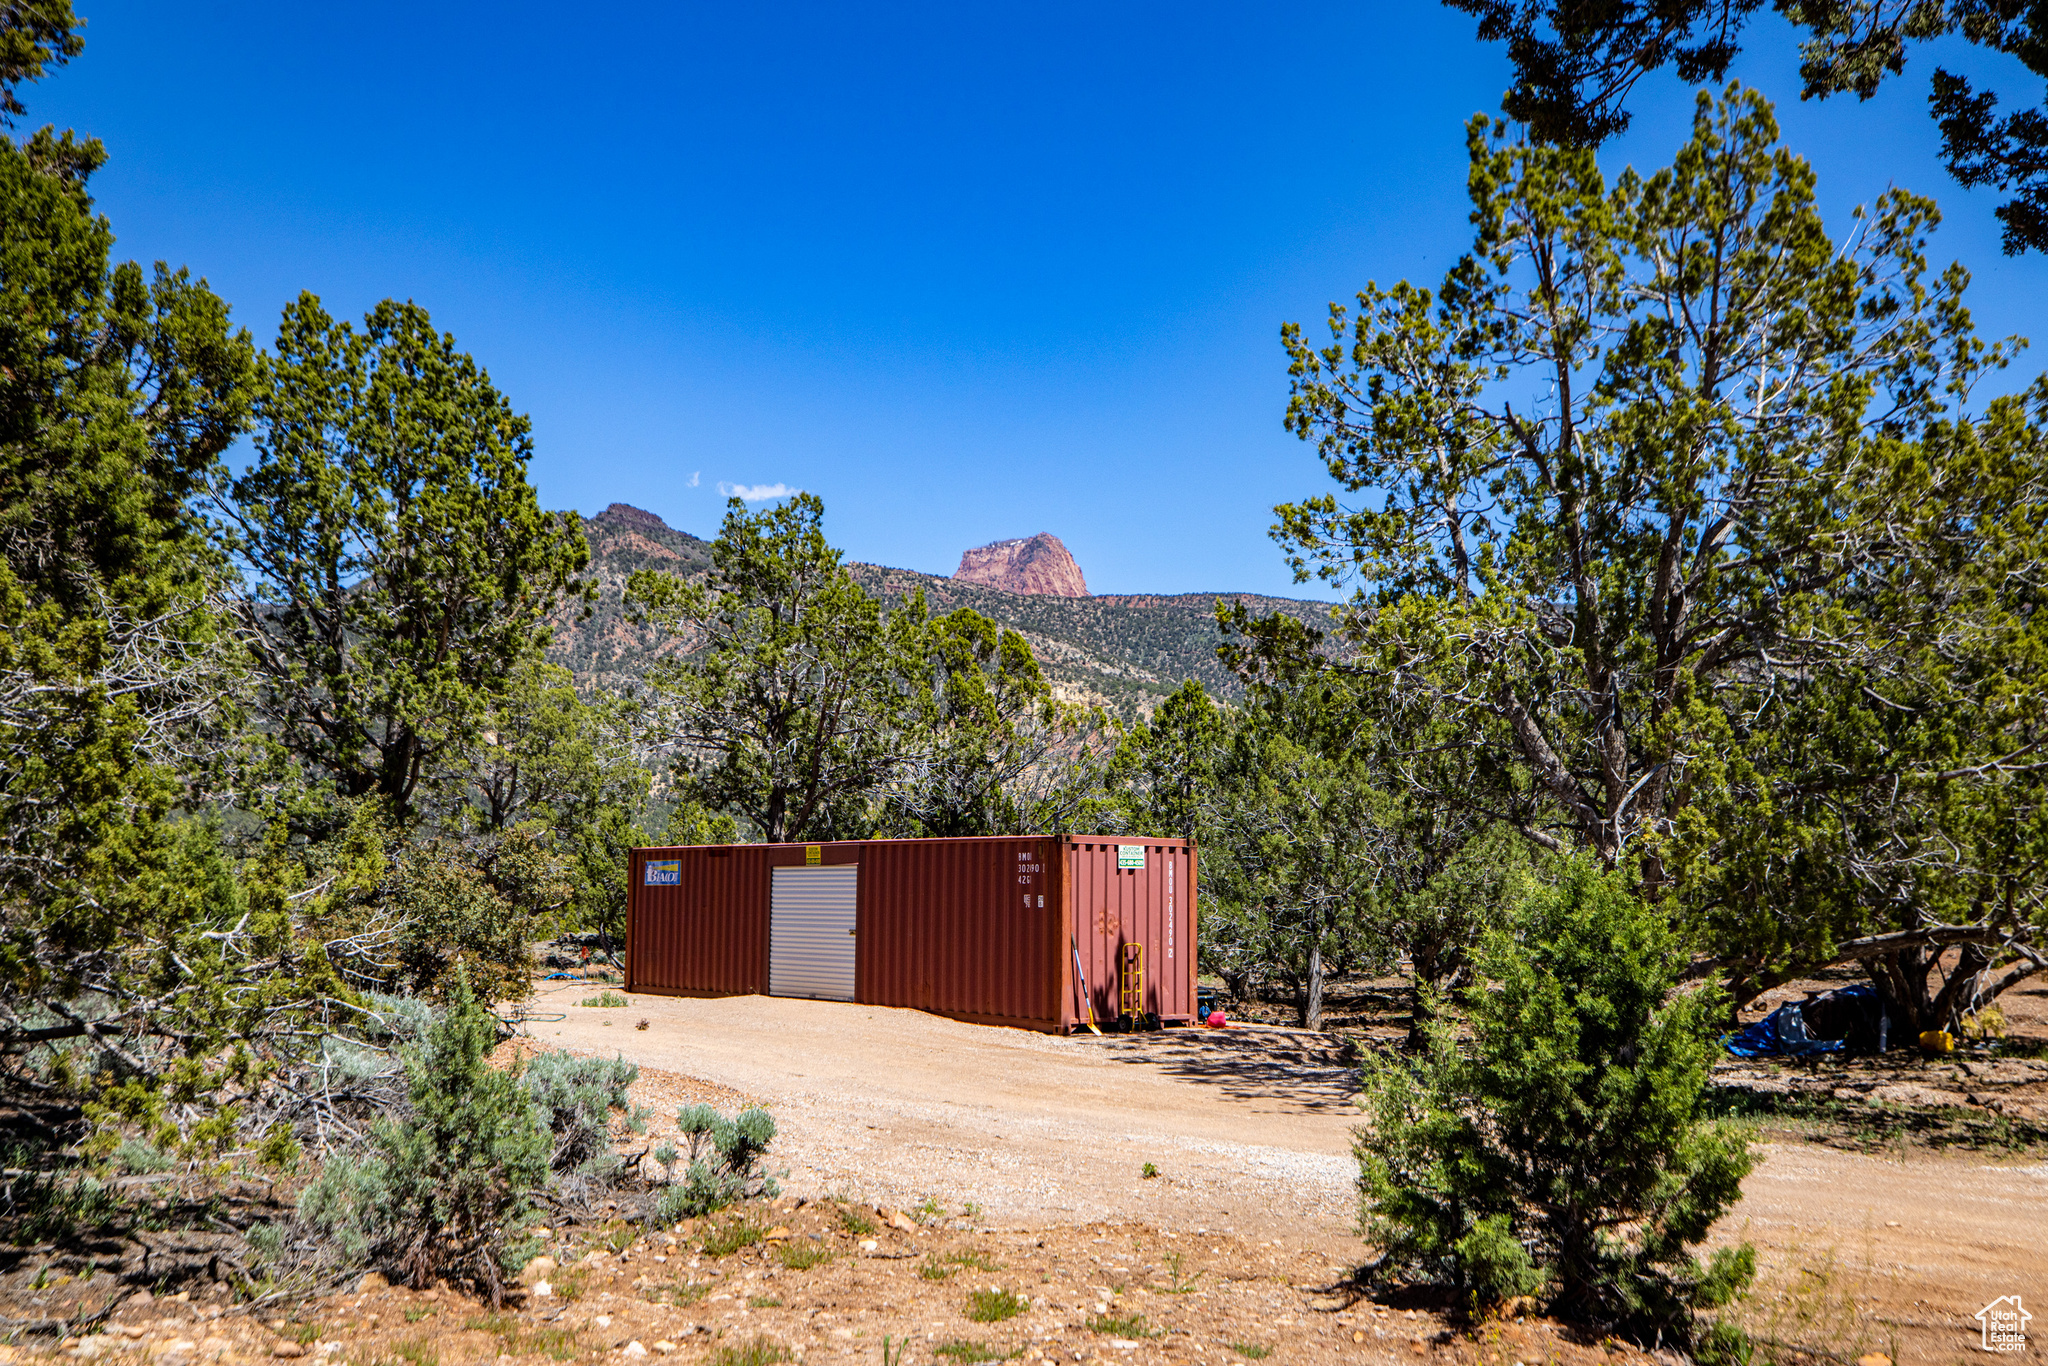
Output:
x,y
1565,1151
1677,533
789,711
400,565
120,386
1576,65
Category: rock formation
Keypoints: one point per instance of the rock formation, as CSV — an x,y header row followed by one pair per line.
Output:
x,y
1034,564
625,514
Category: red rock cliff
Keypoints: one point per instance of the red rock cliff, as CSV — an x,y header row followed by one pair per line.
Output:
x,y
1035,564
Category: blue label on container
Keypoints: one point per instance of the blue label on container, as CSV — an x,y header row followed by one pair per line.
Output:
x,y
665,872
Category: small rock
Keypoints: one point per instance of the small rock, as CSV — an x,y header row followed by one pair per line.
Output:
x,y
540,1290
1874,1359
1357,1336
288,1349
776,1234
603,1320
596,1254
372,1280
664,1347
539,1269
868,1245
896,1218
633,1349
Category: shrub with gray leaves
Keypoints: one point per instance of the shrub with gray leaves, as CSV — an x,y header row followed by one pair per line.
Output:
x,y
576,1098
724,1162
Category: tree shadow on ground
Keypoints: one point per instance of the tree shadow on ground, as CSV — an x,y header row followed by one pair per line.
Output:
x,y
1298,1070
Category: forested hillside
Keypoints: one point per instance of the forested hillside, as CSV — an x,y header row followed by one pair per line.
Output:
x,y
1125,652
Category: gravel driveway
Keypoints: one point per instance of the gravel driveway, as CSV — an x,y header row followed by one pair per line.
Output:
x,y
1250,1128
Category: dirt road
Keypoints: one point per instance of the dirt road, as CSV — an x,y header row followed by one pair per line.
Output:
x,y
1251,1132
1249,1129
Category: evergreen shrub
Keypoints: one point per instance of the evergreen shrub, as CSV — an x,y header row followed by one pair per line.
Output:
x,y
1564,1153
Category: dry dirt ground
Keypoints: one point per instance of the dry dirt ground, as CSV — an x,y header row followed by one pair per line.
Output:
x,y
931,1164
1893,1248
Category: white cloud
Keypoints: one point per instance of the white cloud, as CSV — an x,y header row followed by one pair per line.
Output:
x,y
756,493
695,475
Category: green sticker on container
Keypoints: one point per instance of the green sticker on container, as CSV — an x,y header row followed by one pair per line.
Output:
x,y
1130,856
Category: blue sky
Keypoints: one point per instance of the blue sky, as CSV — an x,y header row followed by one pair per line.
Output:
x,y
965,273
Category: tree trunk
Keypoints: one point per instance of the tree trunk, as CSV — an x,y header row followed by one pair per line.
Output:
x,y
1919,995
1312,989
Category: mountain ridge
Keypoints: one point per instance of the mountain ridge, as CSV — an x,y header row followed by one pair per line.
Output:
x,y
1122,651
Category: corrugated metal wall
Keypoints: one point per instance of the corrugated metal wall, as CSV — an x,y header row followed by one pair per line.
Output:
x,y
983,929
1152,906
963,927
707,934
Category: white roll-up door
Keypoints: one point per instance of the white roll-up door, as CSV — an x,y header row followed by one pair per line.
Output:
x,y
810,932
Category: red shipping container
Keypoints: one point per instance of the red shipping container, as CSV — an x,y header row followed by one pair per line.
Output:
x,y
1000,930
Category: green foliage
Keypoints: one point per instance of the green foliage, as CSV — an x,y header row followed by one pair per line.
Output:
x,y
1469,892
551,759
1574,68
964,1351
856,1222
117,677
791,692
36,35
1251,1351
1565,1152
756,1351
401,567
995,1306
446,1190
1685,614
606,1000
987,749
1302,841
724,1162
1166,770
576,1098
41,1205
137,1157
802,1256
478,907
732,1235
1120,1325
937,1268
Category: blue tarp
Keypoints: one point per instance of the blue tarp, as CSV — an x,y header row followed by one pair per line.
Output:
x,y
1783,1032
